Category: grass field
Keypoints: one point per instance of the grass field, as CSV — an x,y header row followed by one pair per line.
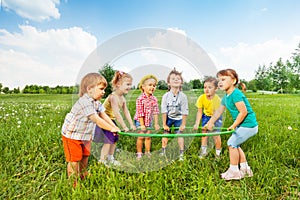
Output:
x,y
33,165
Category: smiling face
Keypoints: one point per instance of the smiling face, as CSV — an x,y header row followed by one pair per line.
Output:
x,y
175,81
149,86
125,86
96,92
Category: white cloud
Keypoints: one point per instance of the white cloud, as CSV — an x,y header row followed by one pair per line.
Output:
x,y
246,58
35,10
178,30
51,57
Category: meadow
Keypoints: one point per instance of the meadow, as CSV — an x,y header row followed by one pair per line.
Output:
x,y
32,164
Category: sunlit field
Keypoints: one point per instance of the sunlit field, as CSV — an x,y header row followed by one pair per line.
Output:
x,y
33,164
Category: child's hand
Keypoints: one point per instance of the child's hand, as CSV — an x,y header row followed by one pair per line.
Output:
x,y
196,127
181,128
231,127
166,128
209,126
126,129
143,128
157,127
115,130
133,127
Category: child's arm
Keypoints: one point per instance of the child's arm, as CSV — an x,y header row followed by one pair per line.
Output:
x,y
198,118
183,123
156,125
128,117
116,111
217,114
241,116
103,123
164,120
142,123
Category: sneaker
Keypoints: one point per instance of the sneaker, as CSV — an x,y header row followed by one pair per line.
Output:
x,y
114,162
148,154
231,175
162,154
246,172
202,155
181,158
138,156
104,162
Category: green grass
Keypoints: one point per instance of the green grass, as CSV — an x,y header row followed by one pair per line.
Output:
x,y
33,165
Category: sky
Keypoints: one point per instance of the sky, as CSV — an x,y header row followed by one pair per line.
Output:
x,y
48,42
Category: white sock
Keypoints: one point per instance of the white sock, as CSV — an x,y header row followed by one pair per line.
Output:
x,y
218,152
234,167
110,157
244,165
203,149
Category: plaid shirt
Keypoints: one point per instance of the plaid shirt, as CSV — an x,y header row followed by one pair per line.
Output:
x,y
146,107
77,124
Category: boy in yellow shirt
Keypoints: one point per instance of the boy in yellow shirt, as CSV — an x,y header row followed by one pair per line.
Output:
x,y
207,104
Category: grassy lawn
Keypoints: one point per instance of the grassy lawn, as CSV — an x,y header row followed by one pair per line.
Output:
x,y
33,165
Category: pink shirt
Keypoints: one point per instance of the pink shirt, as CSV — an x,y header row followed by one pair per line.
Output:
x,y
146,107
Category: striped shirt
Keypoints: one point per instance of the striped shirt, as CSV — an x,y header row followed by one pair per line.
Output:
x,y
77,124
146,107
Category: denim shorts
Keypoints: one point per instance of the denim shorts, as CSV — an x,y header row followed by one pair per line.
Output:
x,y
206,118
240,135
173,122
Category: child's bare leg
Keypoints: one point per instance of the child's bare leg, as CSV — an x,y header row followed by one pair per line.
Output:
x,y
139,144
104,151
181,143
204,141
73,172
164,142
234,155
148,143
112,149
218,142
83,164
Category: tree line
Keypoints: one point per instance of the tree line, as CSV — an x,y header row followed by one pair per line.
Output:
x,y
281,76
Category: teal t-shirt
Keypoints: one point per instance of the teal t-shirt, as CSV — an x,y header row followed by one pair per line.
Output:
x,y
237,96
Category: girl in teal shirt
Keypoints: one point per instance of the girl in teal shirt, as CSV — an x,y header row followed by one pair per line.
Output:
x,y
245,124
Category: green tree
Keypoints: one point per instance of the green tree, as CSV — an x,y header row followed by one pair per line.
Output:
x,y
262,77
5,90
1,87
108,72
162,85
252,85
279,75
196,84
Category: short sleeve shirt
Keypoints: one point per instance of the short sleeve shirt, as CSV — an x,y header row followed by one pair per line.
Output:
x,y
237,96
174,105
77,124
146,107
208,106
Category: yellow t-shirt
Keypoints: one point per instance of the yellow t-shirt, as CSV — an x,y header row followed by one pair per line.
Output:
x,y
108,108
208,106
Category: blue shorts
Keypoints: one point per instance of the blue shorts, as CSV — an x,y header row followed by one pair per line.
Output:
x,y
240,135
206,118
173,122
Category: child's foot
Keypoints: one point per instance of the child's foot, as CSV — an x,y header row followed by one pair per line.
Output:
x,y
148,154
202,155
114,162
104,162
138,156
231,175
181,158
247,172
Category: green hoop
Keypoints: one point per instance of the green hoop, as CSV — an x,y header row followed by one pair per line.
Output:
x,y
224,131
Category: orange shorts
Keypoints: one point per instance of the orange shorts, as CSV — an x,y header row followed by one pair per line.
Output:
x,y
76,149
